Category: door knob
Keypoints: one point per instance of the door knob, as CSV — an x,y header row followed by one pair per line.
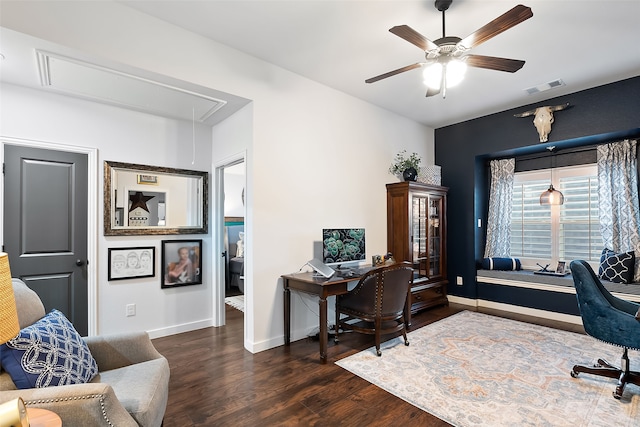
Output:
x,y
79,263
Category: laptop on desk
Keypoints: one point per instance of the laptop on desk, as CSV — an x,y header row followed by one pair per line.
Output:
x,y
321,268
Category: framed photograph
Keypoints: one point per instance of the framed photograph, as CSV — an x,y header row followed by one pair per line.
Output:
x,y
131,263
181,263
560,268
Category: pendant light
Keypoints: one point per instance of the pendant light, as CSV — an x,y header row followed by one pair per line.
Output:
x,y
551,196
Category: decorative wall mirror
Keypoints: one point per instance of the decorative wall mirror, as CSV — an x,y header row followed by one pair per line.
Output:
x,y
140,199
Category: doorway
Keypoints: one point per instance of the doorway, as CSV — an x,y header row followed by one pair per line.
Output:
x,y
234,181
231,212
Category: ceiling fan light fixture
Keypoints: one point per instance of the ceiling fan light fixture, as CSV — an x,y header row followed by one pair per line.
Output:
x,y
444,52
432,75
454,69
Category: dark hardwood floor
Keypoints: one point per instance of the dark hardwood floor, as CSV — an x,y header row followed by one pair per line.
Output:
x,y
216,382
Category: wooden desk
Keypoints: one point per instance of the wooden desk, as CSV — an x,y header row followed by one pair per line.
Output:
x,y
323,288
43,418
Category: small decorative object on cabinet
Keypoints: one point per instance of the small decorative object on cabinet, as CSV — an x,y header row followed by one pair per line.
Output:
x,y
405,166
417,232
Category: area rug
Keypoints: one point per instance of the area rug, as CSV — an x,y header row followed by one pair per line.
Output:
x,y
236,302
473,369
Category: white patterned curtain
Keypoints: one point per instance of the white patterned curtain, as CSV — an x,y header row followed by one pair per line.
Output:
x,y
499,219
618,198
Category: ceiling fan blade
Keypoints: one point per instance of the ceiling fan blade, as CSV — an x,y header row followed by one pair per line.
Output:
x,y
394,72
493,63
502,23
414,37
432,92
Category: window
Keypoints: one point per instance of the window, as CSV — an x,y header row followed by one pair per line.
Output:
x,y
548,234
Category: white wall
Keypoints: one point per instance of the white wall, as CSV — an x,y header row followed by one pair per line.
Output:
x,y
234,182
315,157
123,136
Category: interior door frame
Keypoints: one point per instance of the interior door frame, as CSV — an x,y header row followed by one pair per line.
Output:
x,y
92,214
219,318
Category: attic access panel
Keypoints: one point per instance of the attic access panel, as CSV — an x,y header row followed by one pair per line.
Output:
x,y
93,82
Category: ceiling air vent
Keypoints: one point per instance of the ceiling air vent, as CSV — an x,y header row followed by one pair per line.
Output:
x,y
544,86
100,84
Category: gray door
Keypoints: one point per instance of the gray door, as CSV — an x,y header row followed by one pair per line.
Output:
x,y
45,226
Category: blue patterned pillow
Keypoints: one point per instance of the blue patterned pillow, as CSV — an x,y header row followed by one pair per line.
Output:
x,y
48,353
617,267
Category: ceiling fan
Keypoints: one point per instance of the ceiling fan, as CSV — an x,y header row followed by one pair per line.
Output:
x,y
447,57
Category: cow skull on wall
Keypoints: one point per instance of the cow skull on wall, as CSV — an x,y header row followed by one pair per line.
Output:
x,y
543,117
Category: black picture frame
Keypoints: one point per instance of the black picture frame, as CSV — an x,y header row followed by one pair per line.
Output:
x,y
190,273
560,268
131,262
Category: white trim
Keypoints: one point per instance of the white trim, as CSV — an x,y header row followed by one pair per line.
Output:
x,y
544,314
547,287
178,329
92,215
463,301
528,285
561,317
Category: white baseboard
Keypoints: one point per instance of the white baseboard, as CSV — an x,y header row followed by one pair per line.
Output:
x,y
551,315
257,347
535,312
461,300
177,329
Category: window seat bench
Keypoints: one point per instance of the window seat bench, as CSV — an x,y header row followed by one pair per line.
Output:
x,y
545,297
527,279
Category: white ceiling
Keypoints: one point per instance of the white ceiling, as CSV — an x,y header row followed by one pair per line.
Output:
x,y
32,62
340,43
585,43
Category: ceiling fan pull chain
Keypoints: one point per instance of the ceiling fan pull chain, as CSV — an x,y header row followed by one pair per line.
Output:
x,y
443,84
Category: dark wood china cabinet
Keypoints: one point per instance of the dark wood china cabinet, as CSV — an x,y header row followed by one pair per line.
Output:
x,y
417,232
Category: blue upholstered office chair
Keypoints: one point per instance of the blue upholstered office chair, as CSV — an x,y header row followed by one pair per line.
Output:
x,y
609,319
378,302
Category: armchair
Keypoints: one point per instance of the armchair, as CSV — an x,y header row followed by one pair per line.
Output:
x,y
131,388
378,301
609,319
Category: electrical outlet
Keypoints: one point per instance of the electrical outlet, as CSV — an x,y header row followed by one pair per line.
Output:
x,y
459,281
131,310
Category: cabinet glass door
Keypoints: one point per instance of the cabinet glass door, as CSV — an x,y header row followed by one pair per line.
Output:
x,y
426,235
419,234
434,236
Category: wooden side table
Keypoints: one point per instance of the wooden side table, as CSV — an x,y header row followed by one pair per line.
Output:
x,y
39,417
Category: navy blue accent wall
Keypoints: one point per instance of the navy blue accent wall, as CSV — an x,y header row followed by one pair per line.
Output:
x,y
600,114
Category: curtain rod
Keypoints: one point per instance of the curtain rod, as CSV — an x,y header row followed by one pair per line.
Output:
x,y
556,152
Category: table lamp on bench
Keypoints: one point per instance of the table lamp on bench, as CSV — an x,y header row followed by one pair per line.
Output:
x,y
12,413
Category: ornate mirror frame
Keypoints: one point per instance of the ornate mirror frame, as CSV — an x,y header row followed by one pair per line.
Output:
x,y
150,177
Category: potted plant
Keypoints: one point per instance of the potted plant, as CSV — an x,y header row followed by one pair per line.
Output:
x,y
404,165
